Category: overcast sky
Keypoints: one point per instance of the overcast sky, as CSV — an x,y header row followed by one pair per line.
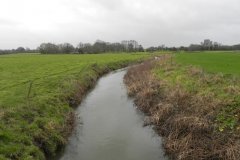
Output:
x,y
27,23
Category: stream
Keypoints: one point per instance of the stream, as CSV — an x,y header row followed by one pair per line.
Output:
x,y
110,127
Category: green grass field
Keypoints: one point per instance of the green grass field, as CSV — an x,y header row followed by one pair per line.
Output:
x,y
35,91
225,62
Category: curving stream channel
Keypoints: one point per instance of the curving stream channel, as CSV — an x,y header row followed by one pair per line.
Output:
x,y
110,127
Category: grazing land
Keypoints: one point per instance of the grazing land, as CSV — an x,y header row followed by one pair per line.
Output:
x,y
36,92
193,99
224,62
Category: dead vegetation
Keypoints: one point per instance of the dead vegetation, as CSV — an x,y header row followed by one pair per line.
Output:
x,y
186,120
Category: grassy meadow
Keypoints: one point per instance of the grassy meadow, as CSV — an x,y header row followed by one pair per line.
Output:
x,y
215,62
36,92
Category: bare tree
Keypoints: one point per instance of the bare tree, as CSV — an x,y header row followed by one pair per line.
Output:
x,y
46,48
66,48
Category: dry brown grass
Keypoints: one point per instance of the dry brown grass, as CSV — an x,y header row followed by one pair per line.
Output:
x,y
183,118
69,124
1,114
232,89
194,71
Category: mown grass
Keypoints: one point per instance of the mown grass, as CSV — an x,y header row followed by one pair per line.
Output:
x,y
36,91
215,62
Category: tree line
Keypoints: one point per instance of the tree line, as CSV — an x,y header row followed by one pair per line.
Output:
x,y
87,48
125,46
206,45
195,47
18,50
82,48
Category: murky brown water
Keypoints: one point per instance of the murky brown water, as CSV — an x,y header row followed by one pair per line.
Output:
x,y
110,128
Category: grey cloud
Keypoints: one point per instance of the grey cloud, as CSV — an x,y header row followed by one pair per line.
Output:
x,y
151,22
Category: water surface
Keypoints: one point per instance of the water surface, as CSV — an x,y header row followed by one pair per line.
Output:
x,y
110,128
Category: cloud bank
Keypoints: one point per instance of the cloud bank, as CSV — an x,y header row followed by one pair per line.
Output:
x,y
151,22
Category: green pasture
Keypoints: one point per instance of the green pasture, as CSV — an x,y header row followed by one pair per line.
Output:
x,y
33,92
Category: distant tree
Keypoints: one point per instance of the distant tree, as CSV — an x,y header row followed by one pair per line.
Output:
x,y
151,49
236,47
116,47
131,48
195,47
20,50
48,48
161,47
80,45
100,47
28,50
140,48
88,48
182,48
66,48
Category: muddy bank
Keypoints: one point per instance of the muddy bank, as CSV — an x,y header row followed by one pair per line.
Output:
x,y
186,120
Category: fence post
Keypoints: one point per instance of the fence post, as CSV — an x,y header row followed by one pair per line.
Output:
x,y
29,93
